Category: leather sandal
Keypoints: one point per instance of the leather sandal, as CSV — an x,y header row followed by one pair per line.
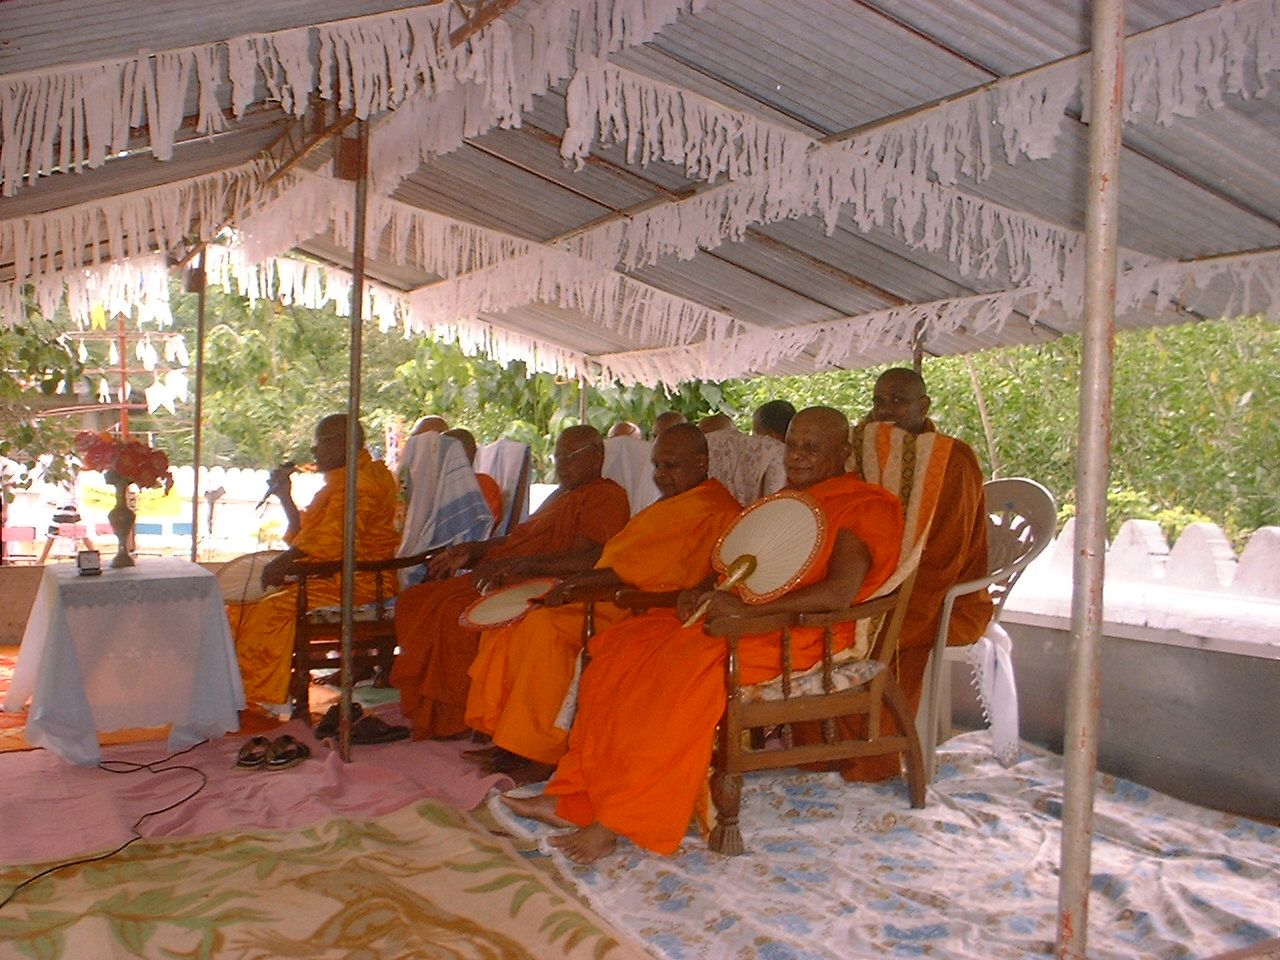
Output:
x,y
254,753
286,752
373,729
328,725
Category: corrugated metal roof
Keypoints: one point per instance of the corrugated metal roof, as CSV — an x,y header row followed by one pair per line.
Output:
x,y
827,71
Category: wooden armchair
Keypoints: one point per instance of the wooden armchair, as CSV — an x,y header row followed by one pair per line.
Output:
x,y
841,686
318,638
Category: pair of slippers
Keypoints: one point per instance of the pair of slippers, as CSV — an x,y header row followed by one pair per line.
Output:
x,y
365,727
279,754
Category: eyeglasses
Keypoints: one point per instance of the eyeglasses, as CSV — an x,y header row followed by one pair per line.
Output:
x,y
561,458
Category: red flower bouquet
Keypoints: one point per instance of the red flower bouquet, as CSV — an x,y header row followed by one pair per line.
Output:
x,y
124,461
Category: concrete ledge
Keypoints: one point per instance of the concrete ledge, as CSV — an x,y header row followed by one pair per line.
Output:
x,y
1189,719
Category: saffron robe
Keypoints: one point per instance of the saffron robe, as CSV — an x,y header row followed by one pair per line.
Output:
x,y
492,494
435,652
264,631
954,552
654,691
521,675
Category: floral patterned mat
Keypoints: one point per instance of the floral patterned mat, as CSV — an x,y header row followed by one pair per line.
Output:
x,y
837,870
423,882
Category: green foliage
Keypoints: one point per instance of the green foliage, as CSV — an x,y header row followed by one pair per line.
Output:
x,y
493,401
1195,421
1195,418
272,371
36,367
1125,504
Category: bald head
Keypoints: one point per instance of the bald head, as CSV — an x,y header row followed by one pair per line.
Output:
x,y
666,421
772,419
465,438
717,421
624,428
900,397
430,424
817,446
579,456
330,446
679,459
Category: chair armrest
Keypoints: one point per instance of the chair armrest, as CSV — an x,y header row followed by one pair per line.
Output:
x,y
741,626
329,568
587,593
859,611
642,600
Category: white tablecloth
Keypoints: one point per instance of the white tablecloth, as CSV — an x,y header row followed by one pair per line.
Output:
x,y
139,646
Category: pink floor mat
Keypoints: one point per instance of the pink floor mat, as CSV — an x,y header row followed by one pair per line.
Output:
x,y
53,810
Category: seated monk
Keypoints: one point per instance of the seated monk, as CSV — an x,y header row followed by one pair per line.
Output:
x,y
264,631
565,535
955,552
650,700
488,486
523,671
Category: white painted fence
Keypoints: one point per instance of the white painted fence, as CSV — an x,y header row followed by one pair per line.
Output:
x,y
1199,593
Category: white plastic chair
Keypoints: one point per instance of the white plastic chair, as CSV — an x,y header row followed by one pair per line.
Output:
x,y
1022,515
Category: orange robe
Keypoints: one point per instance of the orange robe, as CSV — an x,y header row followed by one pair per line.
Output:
x,y
654,691
955,551
264,631
492,494
521,675
435,652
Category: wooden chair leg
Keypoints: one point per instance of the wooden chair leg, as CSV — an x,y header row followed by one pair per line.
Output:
x,y
300,683
726,794
896,701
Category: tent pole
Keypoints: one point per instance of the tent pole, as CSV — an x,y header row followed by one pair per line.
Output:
x,y
196,279
353,164
1081,734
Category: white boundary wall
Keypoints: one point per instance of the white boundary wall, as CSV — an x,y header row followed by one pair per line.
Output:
x,y
1196,594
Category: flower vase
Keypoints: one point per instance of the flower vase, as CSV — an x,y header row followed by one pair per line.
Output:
x,y
121,519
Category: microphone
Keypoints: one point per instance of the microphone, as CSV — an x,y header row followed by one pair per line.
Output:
x,y
287,468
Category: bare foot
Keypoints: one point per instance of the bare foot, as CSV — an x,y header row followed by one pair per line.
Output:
x,y
541,808
531,771
588,844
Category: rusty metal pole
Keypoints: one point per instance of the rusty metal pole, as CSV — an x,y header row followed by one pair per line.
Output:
x,y
1081,743
353,164
196,281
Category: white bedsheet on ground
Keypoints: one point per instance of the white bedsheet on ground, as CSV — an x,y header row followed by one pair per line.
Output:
x,y
837,870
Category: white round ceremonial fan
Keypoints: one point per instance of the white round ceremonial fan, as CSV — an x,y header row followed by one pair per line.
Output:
x,y
240,580
505,605
783,532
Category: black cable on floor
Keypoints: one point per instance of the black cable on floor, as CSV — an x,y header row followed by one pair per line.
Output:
x,y
125,766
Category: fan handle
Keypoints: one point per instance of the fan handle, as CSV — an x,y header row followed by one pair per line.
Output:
x,y
740,569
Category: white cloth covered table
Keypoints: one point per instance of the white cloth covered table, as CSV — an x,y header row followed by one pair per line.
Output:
x,y
138,646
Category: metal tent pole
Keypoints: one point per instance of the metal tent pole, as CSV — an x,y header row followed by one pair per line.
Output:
x,y
353,164
1081,745
196,280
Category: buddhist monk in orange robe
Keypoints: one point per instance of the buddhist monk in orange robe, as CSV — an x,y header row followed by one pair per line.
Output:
x,y
264,631
565,535
522,672
654,690
955,551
